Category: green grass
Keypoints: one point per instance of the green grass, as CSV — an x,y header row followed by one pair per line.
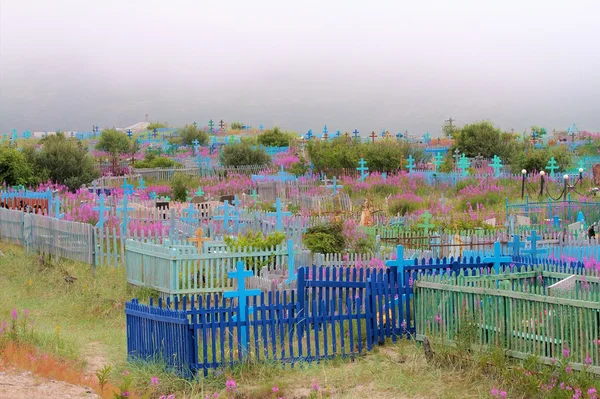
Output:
x,y
90,314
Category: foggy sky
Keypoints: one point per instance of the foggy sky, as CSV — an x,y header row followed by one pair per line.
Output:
x,y
371,65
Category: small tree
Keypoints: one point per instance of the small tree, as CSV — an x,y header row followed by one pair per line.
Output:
x,y
190,133
241,154
274,138
115,143
179,187
14,168
65,161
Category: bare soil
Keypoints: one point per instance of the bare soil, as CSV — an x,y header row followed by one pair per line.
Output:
x,y
24,385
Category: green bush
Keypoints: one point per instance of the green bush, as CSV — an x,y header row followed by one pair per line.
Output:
x,y
157,125
299,168
179,187
256,241
383,156
325,239
236,126
65,161
537,159
274,138
14,168
189,133
402,206
241,154
152,161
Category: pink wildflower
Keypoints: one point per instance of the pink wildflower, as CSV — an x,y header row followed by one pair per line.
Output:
x,y
154,381
125,394
315,386
275,389
566,352
25,312
231,385
588,360
125,372
503,394
171,396
14,314
495,391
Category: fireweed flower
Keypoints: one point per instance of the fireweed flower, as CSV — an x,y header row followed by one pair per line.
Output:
x,y
275,389
231,385
566,352
315,386
14,314
154,381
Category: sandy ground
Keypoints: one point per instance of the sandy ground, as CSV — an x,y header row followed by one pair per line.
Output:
x,y
24,385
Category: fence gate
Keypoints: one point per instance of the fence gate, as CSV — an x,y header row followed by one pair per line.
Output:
x,y
388,307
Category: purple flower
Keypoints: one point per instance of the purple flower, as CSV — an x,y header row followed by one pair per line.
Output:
x,y
588,360
154,381
566,352
315,386
25,312
125,372
275,389
495,391
171,396
125,394
503,394
14,314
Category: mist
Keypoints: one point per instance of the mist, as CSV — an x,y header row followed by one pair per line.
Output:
x,y
375,65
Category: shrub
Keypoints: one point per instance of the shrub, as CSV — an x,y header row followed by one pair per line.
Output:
x,y
14,168
255,241
274,138
157,125
64,161
189,133
236,126
152,161
179,185
241,154
325,239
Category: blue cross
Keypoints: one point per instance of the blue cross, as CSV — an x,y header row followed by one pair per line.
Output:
x,y
154,133
383,133
384,176
516,245
411,164
279,215
496,165
581,218
338,133
190,213
399,136
152,195
463,165
397,266
362,169
127,188
325,129
580,165
552,166
309,134
125,211
129,133
149,135
242,294
199,192
225,217
101,209
438,160
141,184
355,133
426,138
57,213
534,250
261,127
497,259
335,186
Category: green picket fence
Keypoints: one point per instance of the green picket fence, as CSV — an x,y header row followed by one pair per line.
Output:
x,y
541,311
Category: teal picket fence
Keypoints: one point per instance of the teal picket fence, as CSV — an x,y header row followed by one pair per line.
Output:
x,y
177,269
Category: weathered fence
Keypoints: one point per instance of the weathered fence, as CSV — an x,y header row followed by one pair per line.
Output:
x,y
60,238
177,269
514,311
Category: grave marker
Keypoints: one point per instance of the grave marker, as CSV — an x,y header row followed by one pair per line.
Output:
x,y
362,169
242,294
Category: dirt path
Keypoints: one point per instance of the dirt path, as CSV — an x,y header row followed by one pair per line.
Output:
x,y
24,385
94,357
